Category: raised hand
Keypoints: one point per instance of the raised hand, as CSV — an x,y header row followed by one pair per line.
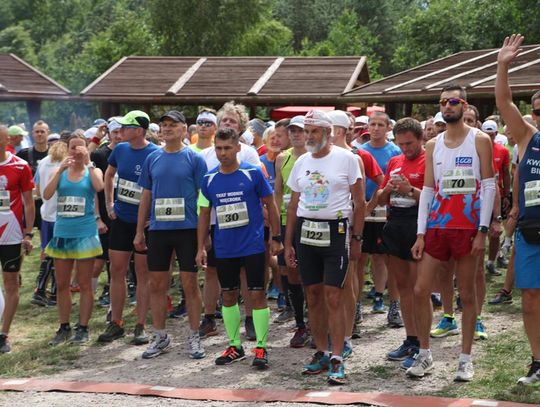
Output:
x,y
510,48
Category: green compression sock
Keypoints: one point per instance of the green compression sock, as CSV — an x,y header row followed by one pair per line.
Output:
x,y
261,319
231,320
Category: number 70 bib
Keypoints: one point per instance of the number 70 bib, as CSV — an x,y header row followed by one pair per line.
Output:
x,y
458,182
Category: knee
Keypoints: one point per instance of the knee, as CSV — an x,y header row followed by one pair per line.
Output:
x,y
315,296
530,301
230,298
421,291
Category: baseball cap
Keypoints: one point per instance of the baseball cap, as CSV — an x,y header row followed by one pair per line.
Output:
x,y
318,118
135,118
207,117
16,131
98,122
297,121
490,126
174,115
53,137
91,132
339,118
114,125
257,125
153,127
438,118
360,120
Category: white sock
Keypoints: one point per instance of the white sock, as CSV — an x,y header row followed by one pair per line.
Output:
x,y
337,358
463,357
424,352
327,353
162,333
490,262
508,241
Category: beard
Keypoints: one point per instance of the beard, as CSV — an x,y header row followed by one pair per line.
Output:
x,y
318,147
454,117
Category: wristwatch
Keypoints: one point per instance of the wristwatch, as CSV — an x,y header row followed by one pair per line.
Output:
x,y
277,238
91,164
483,229
358,238
411,192
499,218
30,235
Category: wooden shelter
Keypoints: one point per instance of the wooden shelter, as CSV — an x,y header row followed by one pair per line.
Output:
x,y
19,81
475,70
254,81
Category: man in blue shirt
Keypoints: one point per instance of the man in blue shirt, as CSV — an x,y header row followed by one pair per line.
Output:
x,y
238,191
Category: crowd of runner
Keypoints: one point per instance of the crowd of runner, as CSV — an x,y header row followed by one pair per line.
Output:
x,y
295,211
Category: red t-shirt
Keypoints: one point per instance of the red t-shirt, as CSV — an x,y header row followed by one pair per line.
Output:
x,y
371,167
15,178
501,161
413,170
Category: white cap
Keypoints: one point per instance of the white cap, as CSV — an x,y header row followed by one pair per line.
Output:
x,y
113,125
153,127
207,117
361,120
297,121
247,137
90,133
318,118
438,118
339,118
490,126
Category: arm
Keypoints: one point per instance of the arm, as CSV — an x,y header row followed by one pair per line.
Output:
x,y
142,217
374,198
203,227
278,184
29,216
290,255
359,210
52,185
109,190
96,177
102,227
96,140
273,218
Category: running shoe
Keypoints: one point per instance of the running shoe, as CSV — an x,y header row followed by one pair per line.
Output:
x,y
81,336
371,294
74,288
465,372
62,335
104,301
207,328
422,364
250,329
533,377
112,332
286,316
378,306
281,302
358,313
179,311
479,330
5,346
492,270
502,262
336,373
196,351
300,338
140,337
51,302
347,351
39,299
232,354
260,361
394,317
407,363
319,363
502,297
405,350
436,300
446,326
157,347
356,334
273,293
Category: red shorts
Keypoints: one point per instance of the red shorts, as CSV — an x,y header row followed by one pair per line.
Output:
x,y
444,244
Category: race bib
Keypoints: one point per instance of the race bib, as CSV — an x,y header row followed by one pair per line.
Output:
x,y
377,215
458,182
169,209
315,233
232,215
532,193
129,192
5,202
398,200
71,206
286,200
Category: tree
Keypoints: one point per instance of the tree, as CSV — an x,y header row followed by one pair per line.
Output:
x,y
269,37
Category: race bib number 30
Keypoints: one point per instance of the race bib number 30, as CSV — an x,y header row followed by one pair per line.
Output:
x,y
232,215
169,209
129,192
5,202
532,193
458,182
315,233
71,206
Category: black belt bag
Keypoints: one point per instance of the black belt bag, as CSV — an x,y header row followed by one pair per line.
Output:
x,y
530,229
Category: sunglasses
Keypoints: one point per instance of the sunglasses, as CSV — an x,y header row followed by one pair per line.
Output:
x,y
204,124
452,101
536,112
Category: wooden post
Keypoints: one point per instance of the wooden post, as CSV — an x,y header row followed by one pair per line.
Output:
x,y
408,110
33,108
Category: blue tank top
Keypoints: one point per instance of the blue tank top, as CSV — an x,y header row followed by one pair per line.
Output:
x,y
75,210
270,169
529,180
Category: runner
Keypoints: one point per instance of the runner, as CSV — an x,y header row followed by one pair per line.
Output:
x,y
322,182
171,178
526,240
15,237
458,168
237,191
126,160
75,236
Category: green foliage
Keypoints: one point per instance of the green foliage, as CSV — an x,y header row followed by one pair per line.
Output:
x,y
17,40
269,37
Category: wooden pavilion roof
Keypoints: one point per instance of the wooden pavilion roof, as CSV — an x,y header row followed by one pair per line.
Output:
x,y
475,70
21,81
197,80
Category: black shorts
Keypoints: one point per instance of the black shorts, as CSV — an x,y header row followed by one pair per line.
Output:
x,y
281,256
398,237
121,235
372,236
104,240
326,265
163,243
11,257
228,271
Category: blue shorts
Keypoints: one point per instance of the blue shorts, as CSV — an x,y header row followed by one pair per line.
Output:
x,y
46,233
526,263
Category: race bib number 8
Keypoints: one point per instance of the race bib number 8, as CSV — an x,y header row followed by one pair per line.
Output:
x,y
169,209
458,182
532,193
232,215
5,202
71,206
129,192
315,233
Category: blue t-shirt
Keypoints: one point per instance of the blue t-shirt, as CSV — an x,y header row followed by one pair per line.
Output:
x,y
174,179
382,155
75,210
270,169
236,197
128,163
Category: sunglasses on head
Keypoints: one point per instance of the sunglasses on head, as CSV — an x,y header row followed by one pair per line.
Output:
x,y
536,112
204,124
452,101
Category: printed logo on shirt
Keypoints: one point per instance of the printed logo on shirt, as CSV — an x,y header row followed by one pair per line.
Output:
x,y
138,169
317,192
463,161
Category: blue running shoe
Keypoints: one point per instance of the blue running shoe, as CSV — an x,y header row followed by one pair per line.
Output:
x,y
347,351
281,302
407,363
479,330
336,374
371,293
403,352
319,363
378,306
273,293
447,326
